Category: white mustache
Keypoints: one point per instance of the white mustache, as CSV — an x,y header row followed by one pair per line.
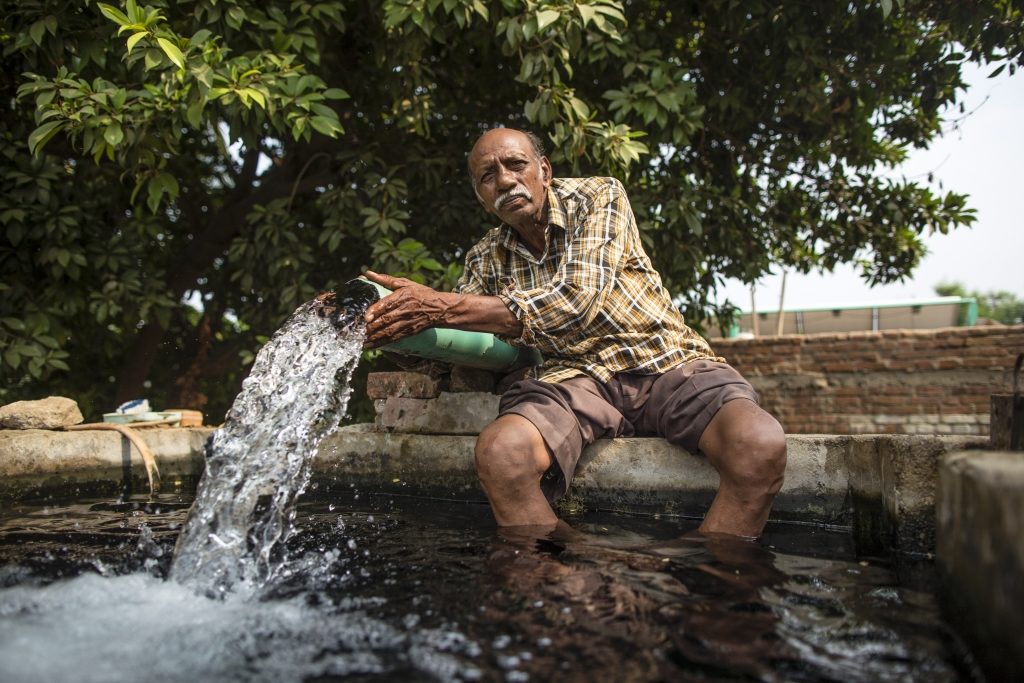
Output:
x,y
517,191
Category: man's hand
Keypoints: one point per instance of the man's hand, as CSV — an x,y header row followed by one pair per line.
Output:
x,y
410,309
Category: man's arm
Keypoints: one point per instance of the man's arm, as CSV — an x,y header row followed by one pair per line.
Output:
x,y
412,308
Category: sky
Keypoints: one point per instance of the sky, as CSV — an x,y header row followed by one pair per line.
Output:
x,y
980,157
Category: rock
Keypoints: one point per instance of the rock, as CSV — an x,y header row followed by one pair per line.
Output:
x,y
54,412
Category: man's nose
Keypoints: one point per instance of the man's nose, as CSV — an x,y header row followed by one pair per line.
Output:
x,y
506,179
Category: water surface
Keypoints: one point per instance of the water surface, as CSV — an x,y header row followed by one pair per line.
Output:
x,y
381,588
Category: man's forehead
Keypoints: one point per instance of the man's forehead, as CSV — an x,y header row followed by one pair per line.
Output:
x,y
500,143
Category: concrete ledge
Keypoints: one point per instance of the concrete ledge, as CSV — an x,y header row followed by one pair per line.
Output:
x,y
641,473
36,462
980,553
882,487
431,465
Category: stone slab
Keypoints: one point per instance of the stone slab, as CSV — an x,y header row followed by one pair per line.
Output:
x,y
980,555
465,413
37,462
382,385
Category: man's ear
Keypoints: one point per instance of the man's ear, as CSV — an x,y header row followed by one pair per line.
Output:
x,y
545,171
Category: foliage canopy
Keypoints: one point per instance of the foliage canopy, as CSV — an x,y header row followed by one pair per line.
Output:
x,y
248,154
998,306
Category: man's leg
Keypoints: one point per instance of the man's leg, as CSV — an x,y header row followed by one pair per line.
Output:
x,y
528,456
511,457
748,448
706,406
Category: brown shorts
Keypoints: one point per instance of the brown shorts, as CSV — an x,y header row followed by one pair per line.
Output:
x,y
677,406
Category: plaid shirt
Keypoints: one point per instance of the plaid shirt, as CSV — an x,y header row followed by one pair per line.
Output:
x,y
592,303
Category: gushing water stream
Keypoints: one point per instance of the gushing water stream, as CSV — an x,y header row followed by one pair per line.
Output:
x,y
258,463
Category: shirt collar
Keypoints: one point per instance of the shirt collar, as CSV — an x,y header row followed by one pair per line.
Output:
x,y
556,217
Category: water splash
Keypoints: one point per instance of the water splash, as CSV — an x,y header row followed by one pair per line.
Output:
x,y
259,462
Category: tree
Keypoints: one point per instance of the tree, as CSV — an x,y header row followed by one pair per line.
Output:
x,y
177,177
1000,306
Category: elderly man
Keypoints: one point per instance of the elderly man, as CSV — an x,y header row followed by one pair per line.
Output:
x,y
565,272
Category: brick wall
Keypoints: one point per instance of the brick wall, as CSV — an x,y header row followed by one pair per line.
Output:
x,y
899,381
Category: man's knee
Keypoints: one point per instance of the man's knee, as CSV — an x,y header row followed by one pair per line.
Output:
x,y
506,451
755,453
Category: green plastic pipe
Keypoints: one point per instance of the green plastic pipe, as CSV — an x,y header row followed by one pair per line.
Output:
x,y
469,349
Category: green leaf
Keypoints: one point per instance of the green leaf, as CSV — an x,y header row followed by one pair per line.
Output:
x,y
886,8
257,97
545,18
135,38
13,358
36,32
113,14
14,324
200,37
580,108
113,134
324,125
41,135
336,94
194,114
29,350
172,52
204,74
153,58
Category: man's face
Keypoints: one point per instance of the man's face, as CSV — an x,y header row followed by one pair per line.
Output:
x,y
510,180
